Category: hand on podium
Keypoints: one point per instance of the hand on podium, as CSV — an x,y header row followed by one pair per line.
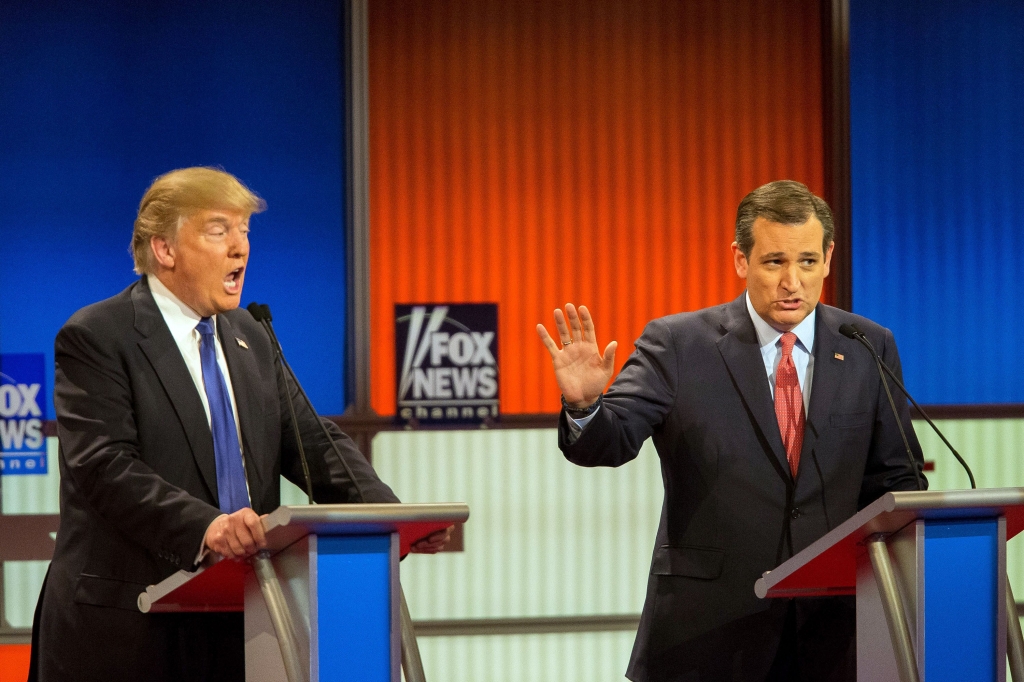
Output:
x,y
236,536
433,543
581,370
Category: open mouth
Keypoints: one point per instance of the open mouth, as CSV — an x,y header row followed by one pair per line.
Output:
x,y
790,304
233,281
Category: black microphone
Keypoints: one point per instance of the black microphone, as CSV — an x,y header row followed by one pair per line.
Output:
x,y
851,331
261,313
263,317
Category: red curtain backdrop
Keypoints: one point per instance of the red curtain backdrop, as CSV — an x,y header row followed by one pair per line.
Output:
x,y
533,153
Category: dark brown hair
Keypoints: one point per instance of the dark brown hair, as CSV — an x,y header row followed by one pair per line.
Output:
x,y
787,202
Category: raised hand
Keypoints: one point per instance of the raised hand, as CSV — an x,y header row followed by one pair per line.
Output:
x,y
581,370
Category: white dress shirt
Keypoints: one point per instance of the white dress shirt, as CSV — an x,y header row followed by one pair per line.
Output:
x,y
182,321
770,341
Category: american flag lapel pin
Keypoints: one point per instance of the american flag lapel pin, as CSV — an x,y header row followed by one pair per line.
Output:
x,y
839,356
244,345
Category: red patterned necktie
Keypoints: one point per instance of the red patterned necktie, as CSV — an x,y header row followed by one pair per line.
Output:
x,y
789,404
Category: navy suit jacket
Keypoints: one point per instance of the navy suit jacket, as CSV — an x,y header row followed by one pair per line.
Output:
x,y
697,386
139,488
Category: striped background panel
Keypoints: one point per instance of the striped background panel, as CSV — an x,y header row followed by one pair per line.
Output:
x,y
534,153
545,538
936,105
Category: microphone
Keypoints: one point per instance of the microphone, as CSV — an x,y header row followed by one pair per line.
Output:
x,y
261,313
851,331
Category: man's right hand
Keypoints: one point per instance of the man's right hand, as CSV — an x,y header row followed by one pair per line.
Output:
x,y
236,536
581,370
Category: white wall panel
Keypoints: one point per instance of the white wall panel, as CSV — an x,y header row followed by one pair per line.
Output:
x,y
29,494
544,537
575,657
993,448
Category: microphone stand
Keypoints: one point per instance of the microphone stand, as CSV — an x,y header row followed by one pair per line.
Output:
x,y
851,331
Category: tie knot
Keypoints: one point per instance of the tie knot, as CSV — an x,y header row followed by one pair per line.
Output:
x,y
205,327
788,341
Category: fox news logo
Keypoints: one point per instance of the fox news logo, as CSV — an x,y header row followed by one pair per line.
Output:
x,y
446,367
22,444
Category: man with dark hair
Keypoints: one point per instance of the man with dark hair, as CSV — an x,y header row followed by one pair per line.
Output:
x,y
771,427
173,435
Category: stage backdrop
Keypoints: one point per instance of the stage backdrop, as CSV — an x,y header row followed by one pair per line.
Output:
x,y
534,153
100,97
937,105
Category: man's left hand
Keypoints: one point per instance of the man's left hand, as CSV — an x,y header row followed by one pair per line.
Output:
x,y
432,544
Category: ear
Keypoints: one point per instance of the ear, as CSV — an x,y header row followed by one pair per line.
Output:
x,y
739,260
828,258
163,252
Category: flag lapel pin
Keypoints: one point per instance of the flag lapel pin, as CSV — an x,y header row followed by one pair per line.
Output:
x,y
244,345
839,356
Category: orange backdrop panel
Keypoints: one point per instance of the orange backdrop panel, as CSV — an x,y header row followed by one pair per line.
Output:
x,y
533,153
14,662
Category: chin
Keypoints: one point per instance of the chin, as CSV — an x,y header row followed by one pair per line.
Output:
x,y
791,318
224,305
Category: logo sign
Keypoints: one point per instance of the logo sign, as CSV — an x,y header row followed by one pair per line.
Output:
x,y
22,401
445,356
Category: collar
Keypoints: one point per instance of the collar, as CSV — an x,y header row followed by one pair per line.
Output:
x,y
769,336
180,319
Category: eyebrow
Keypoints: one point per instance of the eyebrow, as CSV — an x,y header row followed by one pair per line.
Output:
x,y
221,220
782,254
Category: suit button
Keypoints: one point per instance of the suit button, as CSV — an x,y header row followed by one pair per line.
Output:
x,y
796,513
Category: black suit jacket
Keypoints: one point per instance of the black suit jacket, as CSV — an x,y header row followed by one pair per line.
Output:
x,y
139,487
697,385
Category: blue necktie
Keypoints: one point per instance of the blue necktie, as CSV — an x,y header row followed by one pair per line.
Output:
x,y
231,490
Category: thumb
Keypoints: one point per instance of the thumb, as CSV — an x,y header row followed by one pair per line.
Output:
x,y
609,357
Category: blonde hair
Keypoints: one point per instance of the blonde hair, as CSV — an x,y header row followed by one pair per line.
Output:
x,y
174,197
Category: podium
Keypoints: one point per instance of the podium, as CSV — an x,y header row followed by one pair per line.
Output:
x,y
322,602
928,569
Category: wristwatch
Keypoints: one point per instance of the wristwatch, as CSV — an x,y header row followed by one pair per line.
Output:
x,y
581,412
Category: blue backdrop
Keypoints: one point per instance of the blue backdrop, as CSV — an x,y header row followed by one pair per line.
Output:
x,y
937,123
98,98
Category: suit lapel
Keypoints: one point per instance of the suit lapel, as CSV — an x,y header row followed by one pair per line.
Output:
x,y
742,354
165,358
828,376
244,372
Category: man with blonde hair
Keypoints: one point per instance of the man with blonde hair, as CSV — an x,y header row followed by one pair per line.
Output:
x,y
173,434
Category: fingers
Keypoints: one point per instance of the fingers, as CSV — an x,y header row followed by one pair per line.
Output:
x,y
589,335
255,525
608,361
563,329
237,535
549,343
433,543
235,548
574,323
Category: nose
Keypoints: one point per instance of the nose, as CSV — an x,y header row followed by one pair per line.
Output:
x,y
238,244
790,281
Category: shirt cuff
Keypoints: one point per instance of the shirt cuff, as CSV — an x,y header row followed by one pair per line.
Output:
x,y
203,551
576,426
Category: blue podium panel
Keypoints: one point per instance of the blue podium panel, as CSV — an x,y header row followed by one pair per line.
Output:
x,y
961,597
356,609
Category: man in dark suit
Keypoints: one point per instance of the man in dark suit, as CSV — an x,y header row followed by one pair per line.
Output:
x,y
771,427
173,429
